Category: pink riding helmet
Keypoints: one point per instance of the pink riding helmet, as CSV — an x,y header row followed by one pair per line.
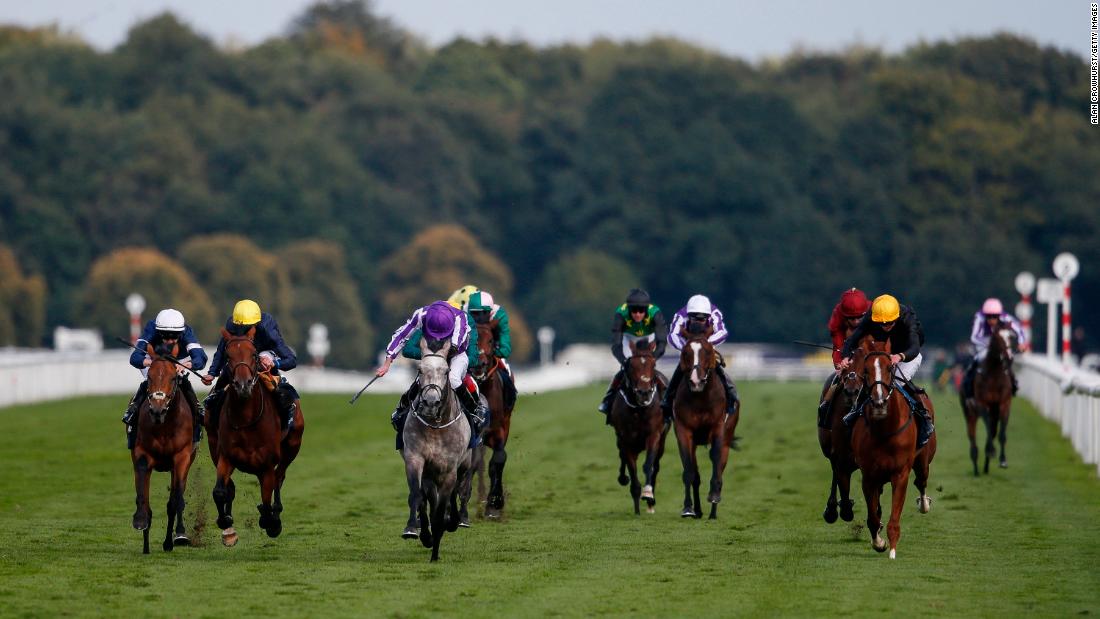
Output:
x,y
992,307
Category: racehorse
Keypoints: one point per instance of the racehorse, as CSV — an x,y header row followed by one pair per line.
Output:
x,y
437,450
836,445
491,385
639,425
699,414
884,441
992,396
165,432
249,437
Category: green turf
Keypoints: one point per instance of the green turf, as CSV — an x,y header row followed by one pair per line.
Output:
x,y
1025,540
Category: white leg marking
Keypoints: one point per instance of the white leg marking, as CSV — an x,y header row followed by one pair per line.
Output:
x,y
893,553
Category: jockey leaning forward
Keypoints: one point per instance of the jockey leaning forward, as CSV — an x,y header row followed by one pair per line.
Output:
x,y
847,313
481,307
694,318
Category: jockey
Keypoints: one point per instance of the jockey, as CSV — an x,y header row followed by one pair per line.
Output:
x,y
695,317
480,307
889,320
167,329
440,320
846,315
635,321
985,321
461,297
274,355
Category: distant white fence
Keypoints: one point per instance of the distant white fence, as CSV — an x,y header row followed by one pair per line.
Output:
x,y
28,376
1069,397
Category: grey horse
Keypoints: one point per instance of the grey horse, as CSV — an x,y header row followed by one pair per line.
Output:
x,y
437,453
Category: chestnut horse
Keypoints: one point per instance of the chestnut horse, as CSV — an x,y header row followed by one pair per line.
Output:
x,y
699,415
992,396
639,424
250,437
165,432
884,441
491,385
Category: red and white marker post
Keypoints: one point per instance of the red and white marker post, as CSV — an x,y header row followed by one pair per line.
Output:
x,y
1025,285
135,305
1066,268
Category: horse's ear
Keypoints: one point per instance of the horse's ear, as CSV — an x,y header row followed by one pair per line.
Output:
x,y
176,349
149,350
251,333
225,334
633,347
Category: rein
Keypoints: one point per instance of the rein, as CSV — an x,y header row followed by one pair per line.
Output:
x,y
889,394
415,409
251,384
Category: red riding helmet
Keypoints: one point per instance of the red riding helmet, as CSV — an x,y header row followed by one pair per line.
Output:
x,y
853,303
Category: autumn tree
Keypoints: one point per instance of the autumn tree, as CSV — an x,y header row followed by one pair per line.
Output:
x,y
22,303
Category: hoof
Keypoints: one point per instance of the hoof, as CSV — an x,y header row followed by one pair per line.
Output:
x,y
650,510
225,522
229,537
688,513
491,513
1004,464
846,513
879,545
425,539
623,480
464,522
410,533
167,545
141,522
830,513
647,492
181,540
275,529
924,504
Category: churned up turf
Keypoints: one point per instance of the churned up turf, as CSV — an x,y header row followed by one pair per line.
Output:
x,y
1021,541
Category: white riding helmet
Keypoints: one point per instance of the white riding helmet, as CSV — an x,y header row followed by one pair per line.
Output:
x,y
170,320
699,304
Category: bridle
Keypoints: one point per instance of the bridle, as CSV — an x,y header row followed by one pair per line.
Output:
x,y
166,397
254,375
629,382
432,421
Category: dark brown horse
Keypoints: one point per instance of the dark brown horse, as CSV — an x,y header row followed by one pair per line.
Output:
x,y
639,425
699,414
165,432
884,441
249,437
836,442
992,396
491,385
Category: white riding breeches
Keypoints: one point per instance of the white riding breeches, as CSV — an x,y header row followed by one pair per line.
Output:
x,y
629,339
460,363
908,369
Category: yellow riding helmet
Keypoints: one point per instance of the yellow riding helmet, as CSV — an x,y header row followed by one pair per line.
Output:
x,y
246,312
461,297
885,309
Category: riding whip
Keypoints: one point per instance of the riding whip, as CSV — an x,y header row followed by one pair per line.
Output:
x,y
352,401
814,345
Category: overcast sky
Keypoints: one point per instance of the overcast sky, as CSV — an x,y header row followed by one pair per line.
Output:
x,y
750,30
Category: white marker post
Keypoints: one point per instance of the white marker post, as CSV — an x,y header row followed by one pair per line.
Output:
x,y
1025,285
1066,268
135,305
1049,291
318,344
546,344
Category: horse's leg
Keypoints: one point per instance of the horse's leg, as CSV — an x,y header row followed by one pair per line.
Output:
x,y
696,481
683,440
992,417
461,515
479,468
224,493
900,484
142,513
635,487
844,484
972,432
412,476
921,466
623,478
1006,406
173,500
496,477
871,494
437,506
269,520
650,468
719,457
830,506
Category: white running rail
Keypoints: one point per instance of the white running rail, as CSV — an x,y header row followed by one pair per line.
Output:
x,y
1070,397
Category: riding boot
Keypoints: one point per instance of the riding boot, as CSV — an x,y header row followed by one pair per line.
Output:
x,y
397,418
130,416
670,394
605,404
196,408
1015,383
925,427
476,412
509,385
731,390
286,396
968,380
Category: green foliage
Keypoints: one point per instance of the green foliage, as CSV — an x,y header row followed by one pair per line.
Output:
x,y
158,278
578,293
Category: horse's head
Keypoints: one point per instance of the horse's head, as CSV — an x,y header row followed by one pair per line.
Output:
x,y
877,373
243,360
163,380
698,359
641,372
434,378
1002,342
486,350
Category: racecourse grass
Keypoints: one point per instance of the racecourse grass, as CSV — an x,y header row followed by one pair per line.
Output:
x,y
1021,541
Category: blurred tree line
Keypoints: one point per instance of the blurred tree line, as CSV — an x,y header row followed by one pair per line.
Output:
x,y
346,173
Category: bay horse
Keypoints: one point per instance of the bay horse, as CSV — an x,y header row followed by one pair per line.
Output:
x,y
836,445
992,396
884,442
437,450
165,431
249,437
491,385
699,416
639,424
